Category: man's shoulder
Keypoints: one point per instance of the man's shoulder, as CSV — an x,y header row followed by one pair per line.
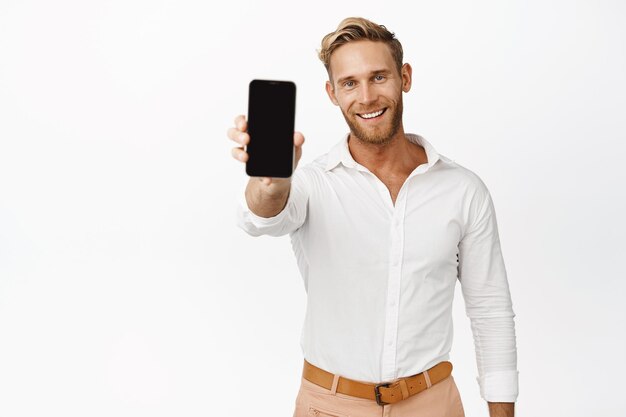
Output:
x,y
446,169
462,176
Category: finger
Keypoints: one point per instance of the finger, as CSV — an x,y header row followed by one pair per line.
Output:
x,y
241,123
298,139
239,154
238,136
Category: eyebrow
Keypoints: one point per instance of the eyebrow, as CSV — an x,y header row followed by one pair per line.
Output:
x,y
372,73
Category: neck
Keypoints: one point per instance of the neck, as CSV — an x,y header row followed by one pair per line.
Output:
x,y
397,155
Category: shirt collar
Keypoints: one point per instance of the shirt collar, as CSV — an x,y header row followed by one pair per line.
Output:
x,y
340,153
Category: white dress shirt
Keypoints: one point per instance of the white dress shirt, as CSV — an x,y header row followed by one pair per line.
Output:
x,y
380,277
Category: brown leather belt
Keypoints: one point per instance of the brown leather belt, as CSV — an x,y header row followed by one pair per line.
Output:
x,y
386,393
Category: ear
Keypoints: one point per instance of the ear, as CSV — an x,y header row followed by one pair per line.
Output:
x,y
331,93
407,74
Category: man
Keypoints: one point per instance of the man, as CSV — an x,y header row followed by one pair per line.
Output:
x,y
382,227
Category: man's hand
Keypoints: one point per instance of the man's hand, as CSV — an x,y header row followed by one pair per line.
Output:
x,y
239,134
501,409
266,197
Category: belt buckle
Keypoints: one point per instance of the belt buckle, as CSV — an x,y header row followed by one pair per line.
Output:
x,y
378,394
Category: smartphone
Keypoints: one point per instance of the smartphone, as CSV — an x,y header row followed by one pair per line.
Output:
x,y
271,120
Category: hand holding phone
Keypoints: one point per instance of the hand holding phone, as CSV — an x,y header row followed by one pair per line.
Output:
x,y
265,195
239,135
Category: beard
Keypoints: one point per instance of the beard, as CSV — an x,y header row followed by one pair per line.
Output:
x,y
377,135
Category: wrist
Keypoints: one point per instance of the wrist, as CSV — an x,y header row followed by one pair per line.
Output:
x,y
501,409
267,200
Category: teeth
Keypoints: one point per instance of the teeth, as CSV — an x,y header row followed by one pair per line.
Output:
x,y
372,115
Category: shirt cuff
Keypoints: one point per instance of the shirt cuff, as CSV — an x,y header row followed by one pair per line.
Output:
x,y
499,387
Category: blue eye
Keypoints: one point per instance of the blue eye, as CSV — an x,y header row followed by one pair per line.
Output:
x,y
348,84
379,77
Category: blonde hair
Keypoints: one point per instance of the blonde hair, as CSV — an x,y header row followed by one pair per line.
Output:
x,y
355,29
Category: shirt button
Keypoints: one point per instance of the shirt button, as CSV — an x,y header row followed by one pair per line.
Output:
x,y
392,304
389,343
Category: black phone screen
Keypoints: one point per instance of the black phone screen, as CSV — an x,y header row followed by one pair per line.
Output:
x,y
271,119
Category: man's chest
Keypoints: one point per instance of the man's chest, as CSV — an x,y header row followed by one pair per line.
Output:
x,y
359,223
392,182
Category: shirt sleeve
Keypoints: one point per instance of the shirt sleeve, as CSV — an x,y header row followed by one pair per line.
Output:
x,y
488,303
287,221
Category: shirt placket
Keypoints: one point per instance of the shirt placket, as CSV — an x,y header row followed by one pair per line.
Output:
x,y
394,278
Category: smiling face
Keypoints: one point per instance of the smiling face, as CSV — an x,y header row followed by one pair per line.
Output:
x,y
367,86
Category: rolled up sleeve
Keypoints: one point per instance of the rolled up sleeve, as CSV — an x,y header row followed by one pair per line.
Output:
x,y
287,221
488,303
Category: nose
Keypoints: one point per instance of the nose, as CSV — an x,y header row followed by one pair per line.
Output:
x,y
367,94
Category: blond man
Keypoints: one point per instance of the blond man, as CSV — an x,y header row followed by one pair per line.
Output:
x,y
383,226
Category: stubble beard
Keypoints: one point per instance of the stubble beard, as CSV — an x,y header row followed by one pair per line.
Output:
x,y
377,136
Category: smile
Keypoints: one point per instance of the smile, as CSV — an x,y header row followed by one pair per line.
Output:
x,y
371,115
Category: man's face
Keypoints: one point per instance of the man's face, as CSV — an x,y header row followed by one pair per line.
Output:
x,y
367,87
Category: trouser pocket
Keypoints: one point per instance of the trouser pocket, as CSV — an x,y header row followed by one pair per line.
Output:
x,y
315,411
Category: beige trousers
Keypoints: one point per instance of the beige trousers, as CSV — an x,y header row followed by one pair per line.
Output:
x,y
440,400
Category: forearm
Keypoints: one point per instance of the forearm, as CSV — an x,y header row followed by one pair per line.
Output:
x,y
267,200
501,409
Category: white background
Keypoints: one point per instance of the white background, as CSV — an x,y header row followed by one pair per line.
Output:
x,y
127,290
